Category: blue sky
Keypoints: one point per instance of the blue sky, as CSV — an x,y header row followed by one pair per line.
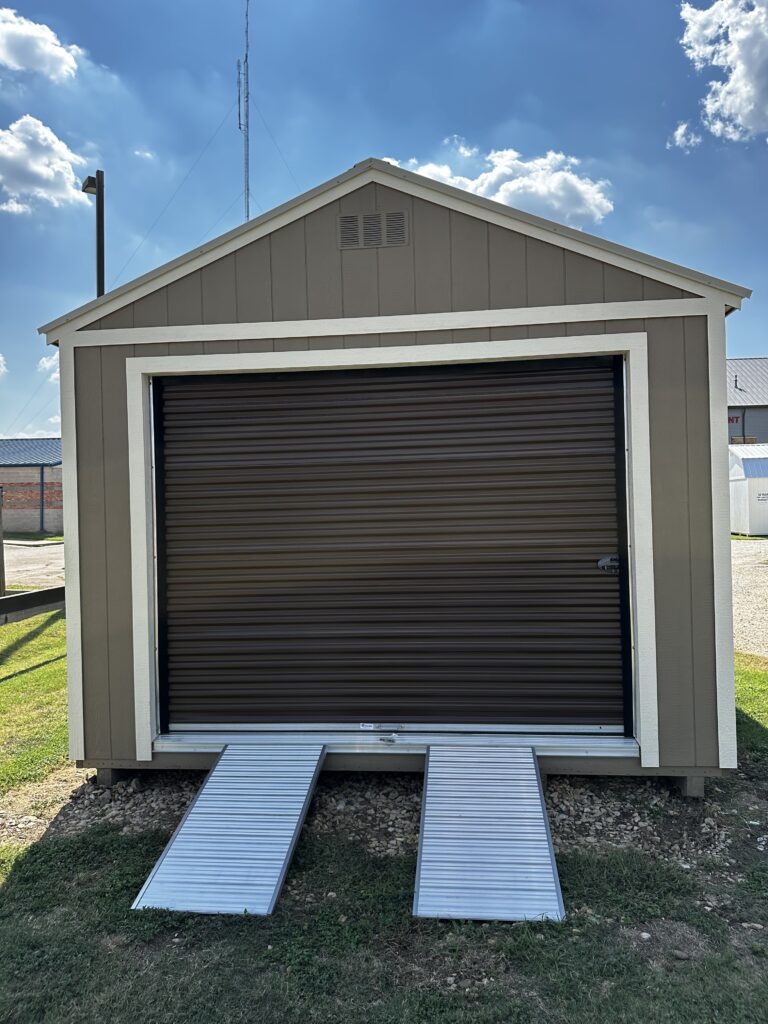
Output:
x,y
140,88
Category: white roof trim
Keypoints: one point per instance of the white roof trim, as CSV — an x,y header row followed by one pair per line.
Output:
x,y
373,170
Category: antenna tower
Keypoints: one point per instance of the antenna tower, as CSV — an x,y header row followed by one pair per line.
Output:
x,y
244,114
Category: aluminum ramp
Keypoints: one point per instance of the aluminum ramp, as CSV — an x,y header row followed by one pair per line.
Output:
x,y
485,850
231,851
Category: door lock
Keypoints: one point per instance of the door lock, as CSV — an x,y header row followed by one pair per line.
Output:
x,y
609,564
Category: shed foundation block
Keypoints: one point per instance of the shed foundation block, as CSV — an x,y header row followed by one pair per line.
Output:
x,y
691,786
107,777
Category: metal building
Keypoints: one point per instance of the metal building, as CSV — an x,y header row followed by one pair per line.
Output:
x,y
395,466
30,480
748,400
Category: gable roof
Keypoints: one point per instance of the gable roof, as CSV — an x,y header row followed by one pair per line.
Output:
x,y
748,381
30,451
372,170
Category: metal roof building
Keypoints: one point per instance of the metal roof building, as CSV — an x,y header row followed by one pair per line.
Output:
x,y
748,400
30,451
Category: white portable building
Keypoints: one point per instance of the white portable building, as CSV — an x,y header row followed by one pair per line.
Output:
x,y
749,489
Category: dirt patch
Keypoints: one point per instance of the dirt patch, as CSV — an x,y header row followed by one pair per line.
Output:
x,y
665,940
27,812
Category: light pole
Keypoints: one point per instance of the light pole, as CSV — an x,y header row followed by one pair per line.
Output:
x,y
94,186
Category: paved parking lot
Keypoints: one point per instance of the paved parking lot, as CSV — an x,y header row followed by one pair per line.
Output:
x,y
34,564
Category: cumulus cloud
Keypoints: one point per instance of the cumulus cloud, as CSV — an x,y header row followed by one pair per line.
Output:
x,y
144,154
36,165
3,365
30,46
732,37
54,419
549,185
50,364
683,137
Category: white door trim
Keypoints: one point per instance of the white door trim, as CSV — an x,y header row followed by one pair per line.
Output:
x,y
633,346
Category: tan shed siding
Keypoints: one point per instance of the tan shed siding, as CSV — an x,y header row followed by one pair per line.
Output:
x,y
253,282
185,300
681,518
93,547
118,553
700,512
452,262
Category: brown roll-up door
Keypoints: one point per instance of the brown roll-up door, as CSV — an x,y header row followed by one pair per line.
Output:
x,y
392,545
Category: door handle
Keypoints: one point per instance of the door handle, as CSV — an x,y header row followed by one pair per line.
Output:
x,y
609,564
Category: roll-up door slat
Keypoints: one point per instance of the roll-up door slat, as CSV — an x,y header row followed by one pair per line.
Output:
x,y
395,545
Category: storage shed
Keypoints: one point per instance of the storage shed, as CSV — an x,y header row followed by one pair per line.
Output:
x,y
393,467
749,489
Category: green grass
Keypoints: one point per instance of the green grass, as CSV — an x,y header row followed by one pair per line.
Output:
x,y
33,722
29,535
752,704
72,951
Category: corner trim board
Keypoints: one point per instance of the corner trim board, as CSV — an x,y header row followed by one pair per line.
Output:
x,y
721,538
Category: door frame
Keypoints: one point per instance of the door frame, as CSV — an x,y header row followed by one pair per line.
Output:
x,y
632,347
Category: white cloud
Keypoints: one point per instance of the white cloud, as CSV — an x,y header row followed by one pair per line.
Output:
x,y
36,165
28,433
683,137
3,365
731,36
549,185
144,154
50,364
54,419
30,46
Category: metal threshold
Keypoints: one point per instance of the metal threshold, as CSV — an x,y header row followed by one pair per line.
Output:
x,y
378,741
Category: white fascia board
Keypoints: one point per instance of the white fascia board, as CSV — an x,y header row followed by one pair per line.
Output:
x,y
409,322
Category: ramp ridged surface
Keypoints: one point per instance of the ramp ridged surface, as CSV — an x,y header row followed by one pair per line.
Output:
x,y
485,850
231,851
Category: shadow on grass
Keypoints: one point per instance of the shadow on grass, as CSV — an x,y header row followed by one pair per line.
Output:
x,y
31,668
26,638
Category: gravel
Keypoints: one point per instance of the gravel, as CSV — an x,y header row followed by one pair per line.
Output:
x,y
382,812
749,559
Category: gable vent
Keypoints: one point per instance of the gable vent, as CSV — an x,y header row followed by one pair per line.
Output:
x,y
373,230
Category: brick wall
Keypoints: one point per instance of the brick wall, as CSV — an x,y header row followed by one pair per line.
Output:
x,y
21,498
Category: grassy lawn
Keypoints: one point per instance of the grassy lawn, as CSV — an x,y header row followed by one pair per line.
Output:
x,y
342,945
33,722
33,536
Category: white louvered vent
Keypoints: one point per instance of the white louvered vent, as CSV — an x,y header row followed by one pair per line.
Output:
x,y
373,230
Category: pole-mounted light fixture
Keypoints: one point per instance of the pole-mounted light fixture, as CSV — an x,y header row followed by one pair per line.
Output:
x,y
94,186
